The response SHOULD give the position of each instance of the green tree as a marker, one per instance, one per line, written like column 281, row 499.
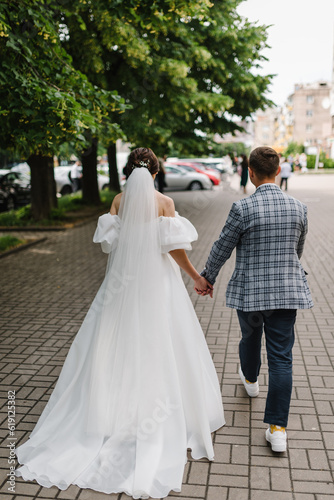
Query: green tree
column 185, row 68
column 111, row 34
column 233, row 149
column 294, row 148
column 44, row 100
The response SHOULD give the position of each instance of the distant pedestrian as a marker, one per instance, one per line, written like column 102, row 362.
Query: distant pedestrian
column 290, row 160
column 76, row 175
column 161, row 174
column 286, row 171
column 244, row 172
column 297, row 165
column 303, row 162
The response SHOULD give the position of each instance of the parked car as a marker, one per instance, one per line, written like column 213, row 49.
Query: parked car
column 23, row 168
column 214, row 175
column 64, row 185
column 178, row 178
column 223, row 165
column 14, row 190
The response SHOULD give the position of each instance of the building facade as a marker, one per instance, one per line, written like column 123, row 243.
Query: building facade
column 246, row 136
column 310, row 114
column 273, row 128
column 265, row 127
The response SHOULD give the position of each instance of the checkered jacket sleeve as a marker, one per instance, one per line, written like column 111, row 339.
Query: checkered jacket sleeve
column 303, row 234
column 223, row 247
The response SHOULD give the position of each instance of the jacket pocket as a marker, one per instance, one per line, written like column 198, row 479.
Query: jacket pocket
column 235, row 275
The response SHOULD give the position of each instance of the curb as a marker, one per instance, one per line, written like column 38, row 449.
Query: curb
column 4, row 229
column 22, row 247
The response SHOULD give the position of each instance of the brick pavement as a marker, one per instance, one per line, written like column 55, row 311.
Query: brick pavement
column 46, row 291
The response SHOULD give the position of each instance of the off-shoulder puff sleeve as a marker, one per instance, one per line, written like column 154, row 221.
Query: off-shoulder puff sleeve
column 175, row 233
column 107, row 232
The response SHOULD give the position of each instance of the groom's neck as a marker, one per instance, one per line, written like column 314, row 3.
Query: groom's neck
column 264, row 181
column 257, row 181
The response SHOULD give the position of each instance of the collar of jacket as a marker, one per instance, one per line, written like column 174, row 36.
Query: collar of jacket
column 268, row 185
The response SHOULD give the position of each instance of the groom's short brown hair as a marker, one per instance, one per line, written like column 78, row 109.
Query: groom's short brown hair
column 264, row 161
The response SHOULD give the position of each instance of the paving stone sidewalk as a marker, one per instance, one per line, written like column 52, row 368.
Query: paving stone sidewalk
column 46, row 291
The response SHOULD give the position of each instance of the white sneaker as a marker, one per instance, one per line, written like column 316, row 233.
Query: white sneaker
column 252, row 389
column 276, row 436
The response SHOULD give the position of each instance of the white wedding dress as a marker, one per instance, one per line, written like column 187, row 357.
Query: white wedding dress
column 138, row 386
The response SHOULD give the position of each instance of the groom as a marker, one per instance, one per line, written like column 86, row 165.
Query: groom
column 267, row 286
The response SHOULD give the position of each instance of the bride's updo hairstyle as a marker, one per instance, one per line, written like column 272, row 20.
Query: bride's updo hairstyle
column 142, row 158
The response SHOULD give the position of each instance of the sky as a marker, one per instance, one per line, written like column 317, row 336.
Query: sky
column 301, row 41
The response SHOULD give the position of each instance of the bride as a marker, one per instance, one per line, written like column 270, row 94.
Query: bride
column 138, row 386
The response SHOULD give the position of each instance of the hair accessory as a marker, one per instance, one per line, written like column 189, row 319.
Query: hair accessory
column 144, row 163
column 141, row 164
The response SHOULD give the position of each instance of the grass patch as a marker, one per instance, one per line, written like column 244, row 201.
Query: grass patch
column 72, row 202
column 70, row 208
column 19, row 217
column 8, row 242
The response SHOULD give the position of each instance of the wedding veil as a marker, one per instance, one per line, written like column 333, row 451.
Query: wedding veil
column 130, row 304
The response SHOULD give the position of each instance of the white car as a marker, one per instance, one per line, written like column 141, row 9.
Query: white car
column 64, row 185
column 23, row 168
column 177, row 178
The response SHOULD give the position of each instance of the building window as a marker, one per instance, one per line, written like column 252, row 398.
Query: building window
column 309, row 112
column 309, row 127
column 310, row 99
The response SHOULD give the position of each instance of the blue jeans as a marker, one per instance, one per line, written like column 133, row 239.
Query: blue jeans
column 279, row 331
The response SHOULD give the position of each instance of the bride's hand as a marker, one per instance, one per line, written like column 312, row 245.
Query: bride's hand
column 203, row 287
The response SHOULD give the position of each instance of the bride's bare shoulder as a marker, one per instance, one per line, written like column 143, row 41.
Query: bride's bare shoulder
column 166, row 205
column 115, row 204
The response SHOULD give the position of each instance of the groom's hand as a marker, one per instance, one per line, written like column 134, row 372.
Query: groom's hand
column 203, row 287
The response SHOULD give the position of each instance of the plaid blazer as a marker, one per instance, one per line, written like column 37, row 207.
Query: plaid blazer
column 268, row 230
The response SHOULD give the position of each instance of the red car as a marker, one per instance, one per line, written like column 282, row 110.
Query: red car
column 213, row 175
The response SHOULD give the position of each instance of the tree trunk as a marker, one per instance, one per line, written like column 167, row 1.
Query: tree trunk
column 114, row 184
column 43, row 186
column 90, row 188
column 3, row 160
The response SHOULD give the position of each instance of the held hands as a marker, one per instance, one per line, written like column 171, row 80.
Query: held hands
column 203, row 287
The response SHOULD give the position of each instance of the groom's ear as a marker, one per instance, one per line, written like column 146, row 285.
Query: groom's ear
column 278, row 170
